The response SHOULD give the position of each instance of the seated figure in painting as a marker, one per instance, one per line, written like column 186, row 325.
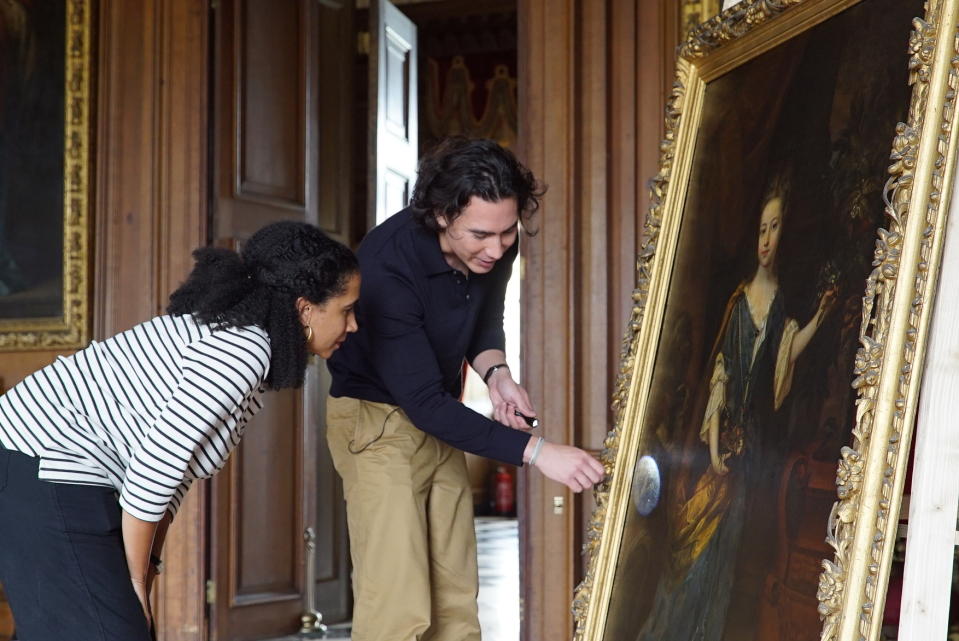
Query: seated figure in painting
column 750, row 375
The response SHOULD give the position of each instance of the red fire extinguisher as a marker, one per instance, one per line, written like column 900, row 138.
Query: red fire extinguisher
column 504, row 502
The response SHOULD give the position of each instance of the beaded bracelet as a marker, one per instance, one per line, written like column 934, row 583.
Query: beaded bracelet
column 156, row 563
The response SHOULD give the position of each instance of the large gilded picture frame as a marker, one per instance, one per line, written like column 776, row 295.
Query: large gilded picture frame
column 770, row 371
column 45, row 105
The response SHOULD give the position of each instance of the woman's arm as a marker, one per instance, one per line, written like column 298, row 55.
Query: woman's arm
column 709, row 432
column 138, row 537
column 803, row 336
column 713, row 425
column 157, row 550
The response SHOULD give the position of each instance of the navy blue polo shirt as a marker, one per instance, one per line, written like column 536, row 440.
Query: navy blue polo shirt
column 418, row 320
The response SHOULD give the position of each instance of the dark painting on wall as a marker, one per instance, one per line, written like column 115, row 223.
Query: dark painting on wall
column 739, row 411
column 44, row 119
column 31, row 158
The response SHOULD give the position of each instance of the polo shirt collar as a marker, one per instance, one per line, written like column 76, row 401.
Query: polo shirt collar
column 427, row 245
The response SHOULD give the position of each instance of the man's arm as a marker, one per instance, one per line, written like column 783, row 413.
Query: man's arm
column 405, row 362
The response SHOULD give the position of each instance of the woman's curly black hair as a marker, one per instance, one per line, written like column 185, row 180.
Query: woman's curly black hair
column 278, row 264
column 459, row 168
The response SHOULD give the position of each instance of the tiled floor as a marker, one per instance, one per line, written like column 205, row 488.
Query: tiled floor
column 497, row 541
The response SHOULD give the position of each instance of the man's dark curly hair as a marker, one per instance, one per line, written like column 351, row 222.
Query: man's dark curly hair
column 459, row 168
column 260, row 286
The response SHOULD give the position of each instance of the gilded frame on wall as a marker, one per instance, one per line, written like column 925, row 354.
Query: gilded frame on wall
column 871, row 222
column 48, row 307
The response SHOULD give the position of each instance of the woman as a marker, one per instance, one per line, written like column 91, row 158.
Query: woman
column 751, row 372
column 98, row 449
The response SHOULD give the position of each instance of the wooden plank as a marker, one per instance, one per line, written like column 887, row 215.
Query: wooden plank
column 934, row 497
column 547, row 50
column 591, row 119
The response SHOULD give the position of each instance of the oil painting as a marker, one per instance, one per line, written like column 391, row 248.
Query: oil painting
column 739, row 400
column 44, row 132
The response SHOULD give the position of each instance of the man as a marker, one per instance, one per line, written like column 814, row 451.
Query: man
column 434, row 277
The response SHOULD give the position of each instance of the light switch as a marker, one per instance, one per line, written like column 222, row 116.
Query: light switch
column 558, row 503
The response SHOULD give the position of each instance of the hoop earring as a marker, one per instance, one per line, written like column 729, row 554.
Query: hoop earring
column 309, row 334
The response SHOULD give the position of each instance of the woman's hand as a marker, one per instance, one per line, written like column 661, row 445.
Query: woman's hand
column 151, row 578
column 568, row 465
column 827, row 301
column 719, row 464
column 143, row 595
column 138, row 538
column 507, row 397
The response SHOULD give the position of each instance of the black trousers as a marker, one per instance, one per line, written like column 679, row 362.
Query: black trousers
column 61, row 559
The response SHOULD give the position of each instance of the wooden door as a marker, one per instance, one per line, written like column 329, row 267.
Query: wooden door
column 335, row 209
column 278, row 131
column 394, row 134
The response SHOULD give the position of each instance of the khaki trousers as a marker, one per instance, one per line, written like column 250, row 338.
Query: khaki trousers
column 410, row 515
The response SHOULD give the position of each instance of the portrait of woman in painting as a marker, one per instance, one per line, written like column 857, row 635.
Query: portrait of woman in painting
column 751, row 373
column 749, row 400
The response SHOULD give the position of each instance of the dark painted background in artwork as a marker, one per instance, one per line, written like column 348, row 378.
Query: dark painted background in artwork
column 31, row 158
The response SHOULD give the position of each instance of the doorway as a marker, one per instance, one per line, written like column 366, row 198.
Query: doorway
column 290, row 140
column 464, row 62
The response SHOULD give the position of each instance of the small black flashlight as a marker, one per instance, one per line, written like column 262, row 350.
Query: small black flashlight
column 532, row 421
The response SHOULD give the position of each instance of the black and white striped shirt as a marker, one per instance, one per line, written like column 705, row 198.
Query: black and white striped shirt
column 146, row 411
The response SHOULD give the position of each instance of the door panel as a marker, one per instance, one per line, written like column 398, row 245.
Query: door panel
column 259, row 582
column 394, row 134
column 398, row 87
column 266, row 113
column 396, row 191
column 265, row 482
column 271, row 105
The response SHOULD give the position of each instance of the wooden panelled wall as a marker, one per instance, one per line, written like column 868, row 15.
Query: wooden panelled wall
column 151, row 212
column 593, row 78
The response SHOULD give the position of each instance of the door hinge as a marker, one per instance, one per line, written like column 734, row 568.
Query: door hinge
column 210, row 591
column 363, row 43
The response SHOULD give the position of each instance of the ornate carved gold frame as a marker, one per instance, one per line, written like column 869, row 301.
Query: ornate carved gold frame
column 897, row 307
column 71, row 330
